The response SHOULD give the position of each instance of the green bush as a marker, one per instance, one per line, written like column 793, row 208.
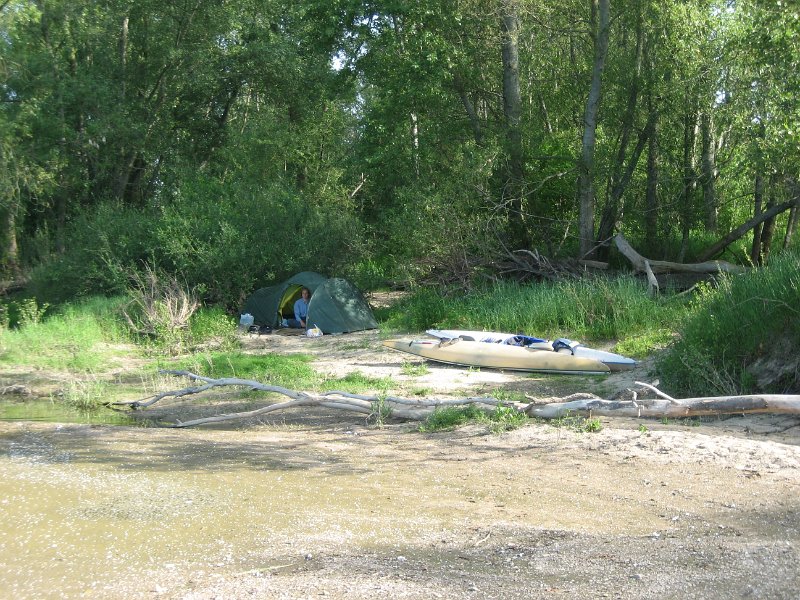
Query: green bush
column 212, row 324
column 223, row 239
column 746, row 319
column 103, row 246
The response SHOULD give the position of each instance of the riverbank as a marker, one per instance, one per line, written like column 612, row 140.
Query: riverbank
column 313, row 503
column 337, row 511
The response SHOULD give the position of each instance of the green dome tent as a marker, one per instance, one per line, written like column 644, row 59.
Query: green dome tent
column 336, row 305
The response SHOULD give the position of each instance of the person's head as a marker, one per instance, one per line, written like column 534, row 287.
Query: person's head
column 305, row 293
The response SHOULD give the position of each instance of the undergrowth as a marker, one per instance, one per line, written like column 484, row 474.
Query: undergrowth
column 81, row 337
column 747, row 319
column 592, row 309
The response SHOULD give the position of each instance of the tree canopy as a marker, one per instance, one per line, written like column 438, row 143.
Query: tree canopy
column 234, row 143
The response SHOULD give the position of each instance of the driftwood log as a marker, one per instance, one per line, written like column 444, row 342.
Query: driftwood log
column 659, row 408
column 419, row 409
column 642, row 264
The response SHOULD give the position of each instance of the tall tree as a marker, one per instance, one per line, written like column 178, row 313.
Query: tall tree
column 586, row 189
column 514, row 188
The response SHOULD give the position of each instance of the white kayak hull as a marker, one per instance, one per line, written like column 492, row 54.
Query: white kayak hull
column 498, row 356
column 615, row 362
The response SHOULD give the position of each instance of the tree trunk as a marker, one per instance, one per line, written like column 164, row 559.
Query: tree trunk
column 688, row 407
column 614, row 211
column 414, row 131
column 512, row 108
column 61, row 222
column 708, row 173
column 586, row 197
column 651, row 193
column 758, row 200
column 791, row 222
column 644, row 265
column 469, row 107
column 689, row 179
column 621, row 175
column 11, row 250
column 419, row 409
column 768, row 229
column 123, row 56
column 744, row 228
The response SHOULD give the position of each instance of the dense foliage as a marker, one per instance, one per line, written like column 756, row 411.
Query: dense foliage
column 233, row 143
column 230, row 144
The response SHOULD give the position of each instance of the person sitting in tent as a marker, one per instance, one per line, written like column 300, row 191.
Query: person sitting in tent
column 301, row 310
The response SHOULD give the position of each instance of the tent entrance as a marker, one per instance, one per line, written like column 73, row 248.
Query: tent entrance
column 290, row 296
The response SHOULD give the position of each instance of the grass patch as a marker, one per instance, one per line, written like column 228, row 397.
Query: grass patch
column 509, row 396
column 292, row 371
column 746, row 318
column 577, row 423
column 591, row 309
column 355, row 383
column 81, row 337
column 503, row 418
column 415, row 369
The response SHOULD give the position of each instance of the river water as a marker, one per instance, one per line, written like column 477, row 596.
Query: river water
column 50, row 411
column 89, row 510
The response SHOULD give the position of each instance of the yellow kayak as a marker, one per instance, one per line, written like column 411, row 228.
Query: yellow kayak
column 498, row 356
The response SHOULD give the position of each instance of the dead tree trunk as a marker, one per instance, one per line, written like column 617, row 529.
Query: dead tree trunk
column 688, row 407
column 744, row 228
column 642, row 264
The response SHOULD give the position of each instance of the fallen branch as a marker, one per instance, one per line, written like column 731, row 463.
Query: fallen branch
column 658, row 391
column 745, row 227
column 420, row 409
column 401, row 408
column 640, row 263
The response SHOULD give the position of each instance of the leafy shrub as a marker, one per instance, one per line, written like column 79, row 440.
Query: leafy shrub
column 746, row 319
column 29, row 312
column 222, row 238
column 103, row 245
column 213, row 325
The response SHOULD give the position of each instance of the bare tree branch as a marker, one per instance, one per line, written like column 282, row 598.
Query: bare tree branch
column 420, row 409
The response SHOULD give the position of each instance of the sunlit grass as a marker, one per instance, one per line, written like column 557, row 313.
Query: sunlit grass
column 501, row 419
column 84, row 336
column 293, row 371
column 745, row 318
column 586, row 310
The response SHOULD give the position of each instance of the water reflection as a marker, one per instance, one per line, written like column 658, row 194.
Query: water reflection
column 50, row 411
